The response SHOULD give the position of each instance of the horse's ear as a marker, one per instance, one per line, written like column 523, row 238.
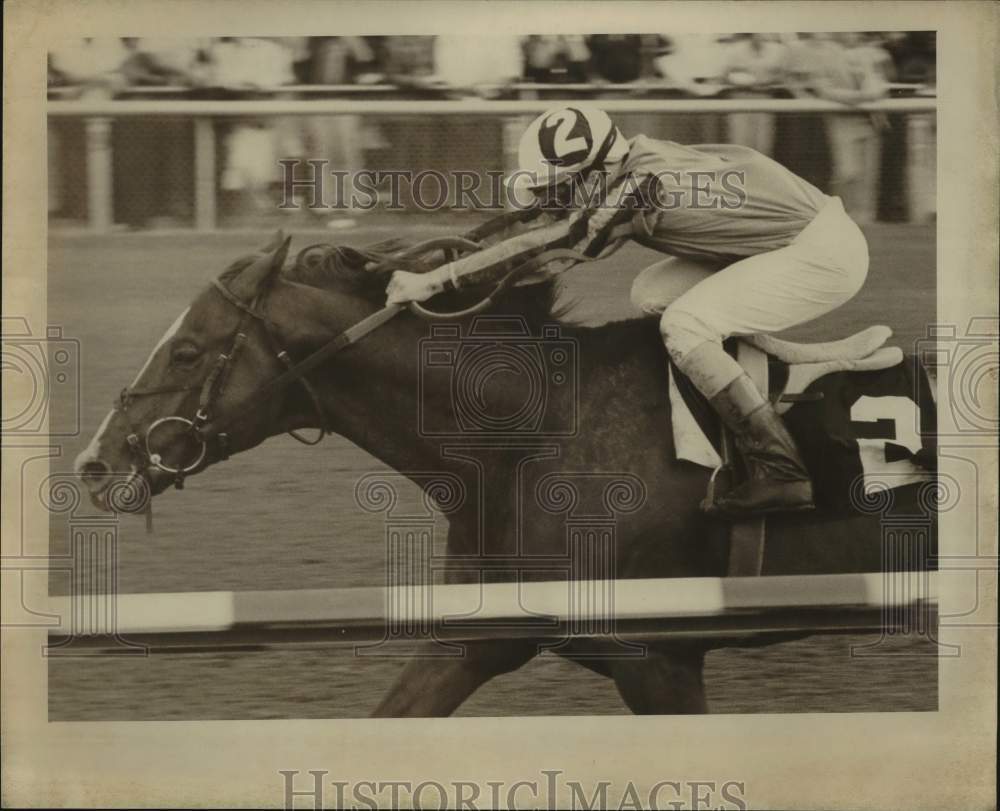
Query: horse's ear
column 280, row 252
column 275, row 242
column 255, row 275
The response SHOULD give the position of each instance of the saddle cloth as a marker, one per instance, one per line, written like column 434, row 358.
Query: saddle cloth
column 859, row 411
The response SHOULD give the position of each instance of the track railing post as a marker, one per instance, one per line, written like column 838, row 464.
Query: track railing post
column 100, row 178
column 204, row 174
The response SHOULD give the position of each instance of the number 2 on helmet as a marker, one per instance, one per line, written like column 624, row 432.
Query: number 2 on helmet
column 563, row 143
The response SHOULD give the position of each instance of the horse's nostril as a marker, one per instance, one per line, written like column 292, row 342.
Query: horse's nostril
column 94, row 471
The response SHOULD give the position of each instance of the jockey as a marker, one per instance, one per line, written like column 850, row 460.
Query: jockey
column 771, row 250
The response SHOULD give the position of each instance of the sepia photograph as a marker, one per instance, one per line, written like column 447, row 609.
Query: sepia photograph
column 533, row 375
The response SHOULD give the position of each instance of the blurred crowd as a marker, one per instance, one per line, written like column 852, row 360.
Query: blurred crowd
column 699, row 65
column 862, row 157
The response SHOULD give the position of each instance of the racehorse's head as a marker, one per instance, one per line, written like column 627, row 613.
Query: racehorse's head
column 212, row 358
column 222, row 379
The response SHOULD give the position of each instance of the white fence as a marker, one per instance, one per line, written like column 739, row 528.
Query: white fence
column 522, row 89
column 99, row 115
column 701, row 608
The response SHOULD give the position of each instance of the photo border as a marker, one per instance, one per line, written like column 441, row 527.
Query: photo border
column 933, row 760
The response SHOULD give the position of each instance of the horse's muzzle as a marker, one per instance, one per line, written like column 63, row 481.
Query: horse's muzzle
column 96, row 474
column 117, row 492
column 131, row 494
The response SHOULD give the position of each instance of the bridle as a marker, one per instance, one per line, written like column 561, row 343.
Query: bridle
column 198, row 428
column 142, row 448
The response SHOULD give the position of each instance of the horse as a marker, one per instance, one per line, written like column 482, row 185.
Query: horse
column 204, row 394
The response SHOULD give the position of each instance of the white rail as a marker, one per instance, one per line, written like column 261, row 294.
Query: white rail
column 546, row 611
column 283, row 107
column 98, row 116
column 385, row 89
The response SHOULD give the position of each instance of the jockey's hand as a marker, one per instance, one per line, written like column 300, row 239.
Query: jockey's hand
column 405, row 287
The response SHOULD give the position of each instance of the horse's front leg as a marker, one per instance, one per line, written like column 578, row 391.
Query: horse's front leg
column 663, row 682
column 435, row 686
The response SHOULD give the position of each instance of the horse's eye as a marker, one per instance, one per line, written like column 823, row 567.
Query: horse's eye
column 185, row 354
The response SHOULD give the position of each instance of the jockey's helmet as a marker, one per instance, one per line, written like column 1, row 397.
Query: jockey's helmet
column 566, row 143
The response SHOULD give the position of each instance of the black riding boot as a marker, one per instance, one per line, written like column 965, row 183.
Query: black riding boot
column 777, row 480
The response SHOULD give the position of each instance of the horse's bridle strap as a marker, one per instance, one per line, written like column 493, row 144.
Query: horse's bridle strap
column 297, row 372
column 249, row 309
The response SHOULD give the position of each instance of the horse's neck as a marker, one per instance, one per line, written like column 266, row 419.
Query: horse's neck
column 378, row 394
column 369, row 394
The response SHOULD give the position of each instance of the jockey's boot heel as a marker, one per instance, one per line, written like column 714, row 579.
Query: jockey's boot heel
column 777, row 480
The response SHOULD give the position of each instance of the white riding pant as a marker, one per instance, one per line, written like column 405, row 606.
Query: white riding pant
column 823, row 267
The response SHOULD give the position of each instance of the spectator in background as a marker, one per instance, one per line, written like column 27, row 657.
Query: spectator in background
column 157, row 61
column 408, row 63
column 695, row 64
column 244, row 67
column 154, row 157
column 754, row 65
column 300, row 51
column 340, row 60
column 477, row 65
column 473, row 66
column 849, row 69
column 800, row 139
column 92, row 68
column 908, row 146
column 653, row 47
column 339, row 139
column 407, row 142
column 913, row 55
column 555, row 59
column 94, row 64
column 250, row 63
column 615, row 58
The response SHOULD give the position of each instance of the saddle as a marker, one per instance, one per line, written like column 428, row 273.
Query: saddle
column 844, row 403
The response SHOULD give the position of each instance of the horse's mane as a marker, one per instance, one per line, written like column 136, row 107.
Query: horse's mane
column 328, row 266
